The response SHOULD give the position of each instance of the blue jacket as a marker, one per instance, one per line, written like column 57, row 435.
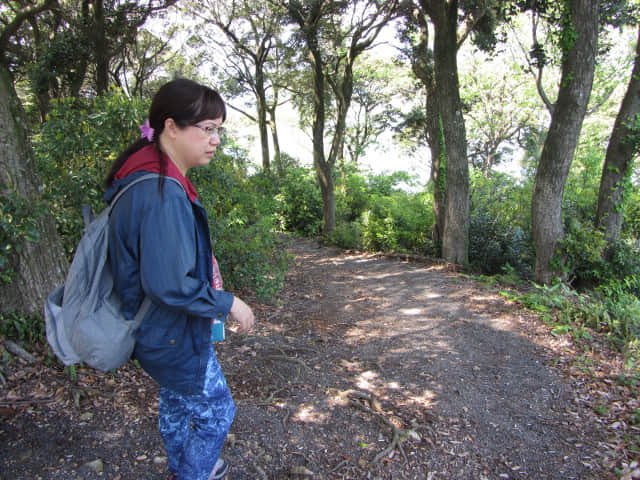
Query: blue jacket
column 159, row 245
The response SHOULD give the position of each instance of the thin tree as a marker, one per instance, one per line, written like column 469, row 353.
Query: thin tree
column 334, row 35
column 624, row 146
column 252, row 29
column 436, row 66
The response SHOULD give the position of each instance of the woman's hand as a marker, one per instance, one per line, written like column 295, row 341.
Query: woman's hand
column 241, row 313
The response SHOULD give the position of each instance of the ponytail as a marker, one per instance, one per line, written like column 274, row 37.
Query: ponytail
column 124, row 156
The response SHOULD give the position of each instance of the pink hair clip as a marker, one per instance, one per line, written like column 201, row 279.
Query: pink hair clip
column 147, row 131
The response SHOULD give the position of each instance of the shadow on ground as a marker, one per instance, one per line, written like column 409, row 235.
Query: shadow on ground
column 370, row 369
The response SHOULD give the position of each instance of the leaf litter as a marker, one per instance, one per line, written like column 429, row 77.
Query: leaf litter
column 364, row 368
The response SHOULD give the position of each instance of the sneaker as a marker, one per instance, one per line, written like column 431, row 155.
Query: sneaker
column 220, row 469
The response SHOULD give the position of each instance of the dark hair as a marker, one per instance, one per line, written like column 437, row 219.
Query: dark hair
column 187, row 103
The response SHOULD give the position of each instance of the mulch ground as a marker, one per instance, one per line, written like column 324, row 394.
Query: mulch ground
column 364, row 368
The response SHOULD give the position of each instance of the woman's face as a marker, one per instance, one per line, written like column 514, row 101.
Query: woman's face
column 195, row 145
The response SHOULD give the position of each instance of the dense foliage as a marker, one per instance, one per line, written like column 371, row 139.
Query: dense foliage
column 17, row 225
column 74, row 151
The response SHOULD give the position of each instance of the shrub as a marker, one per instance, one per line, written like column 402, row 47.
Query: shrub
column 620, row 310
column 631, row 222
column 347, row 235
column 374, row 213
column 499, row 224
column 399, row 222
column 29, row 329
column 246, row 246
column 612, row 309
column 299, row 203
column 585, row 264
column 74, row 151
column 495, row 246
column 17, row 225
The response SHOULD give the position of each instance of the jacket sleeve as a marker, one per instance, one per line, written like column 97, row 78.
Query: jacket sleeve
column 168, row 259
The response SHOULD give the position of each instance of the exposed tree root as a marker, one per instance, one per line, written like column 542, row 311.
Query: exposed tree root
column 18, row 351
column 398, row 435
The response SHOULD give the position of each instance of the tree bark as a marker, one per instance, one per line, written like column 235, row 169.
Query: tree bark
column 42, row 265
column 456, row 209
column 324, row 170
column 262, row 116
column 423, row 68
column 101, row 48
column 581, row 30
column 438, row 166
column 618, row 161
column 274, row 137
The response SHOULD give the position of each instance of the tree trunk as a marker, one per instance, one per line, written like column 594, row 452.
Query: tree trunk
column 327, row 188
column 343, row 90
column 618, row 162
column 578, row 64
column 324, row 170
column 276, row 141
column 456, row 209
column 262, row 118
column 101, row 48
column 438, row 168
column 42, row 265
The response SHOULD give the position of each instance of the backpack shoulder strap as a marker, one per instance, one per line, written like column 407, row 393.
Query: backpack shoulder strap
column 146, row 303
column 138, row 180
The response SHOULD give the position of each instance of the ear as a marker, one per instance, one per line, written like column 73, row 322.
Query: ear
column 170, row 127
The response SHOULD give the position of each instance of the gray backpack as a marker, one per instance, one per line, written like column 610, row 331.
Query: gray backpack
column 83, row 319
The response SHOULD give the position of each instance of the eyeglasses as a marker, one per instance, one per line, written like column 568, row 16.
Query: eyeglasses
column 210, row 130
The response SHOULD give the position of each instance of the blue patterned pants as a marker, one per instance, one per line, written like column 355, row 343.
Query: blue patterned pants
column 194, row 427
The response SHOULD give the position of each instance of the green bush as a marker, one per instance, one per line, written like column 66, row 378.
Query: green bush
column 17, row 225
column 499, row 224
column 584, row 262
column 347, row 235
column 495, row 246
column 374, row 213
column 299, row 203
column 28, row 330
column 612, row 309
column 353, row 194
column 74, row 151
column 400, row 222
column 631, row 221
column 252, row 257
column 581, row 251
column 243, row 229
column 620, row 309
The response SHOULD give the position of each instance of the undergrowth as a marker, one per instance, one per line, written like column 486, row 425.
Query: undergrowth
column 612, row 309
column 22, row 328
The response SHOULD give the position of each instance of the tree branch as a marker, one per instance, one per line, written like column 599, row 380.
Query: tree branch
column 239, row 110
column 471, row 20
column 22, row 17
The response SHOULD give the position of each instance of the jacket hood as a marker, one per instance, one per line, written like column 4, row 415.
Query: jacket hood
column 147, row 159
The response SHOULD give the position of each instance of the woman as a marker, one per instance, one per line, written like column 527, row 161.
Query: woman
column 159, row 247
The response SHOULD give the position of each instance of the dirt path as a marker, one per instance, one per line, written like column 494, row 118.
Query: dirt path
column 370, row 369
